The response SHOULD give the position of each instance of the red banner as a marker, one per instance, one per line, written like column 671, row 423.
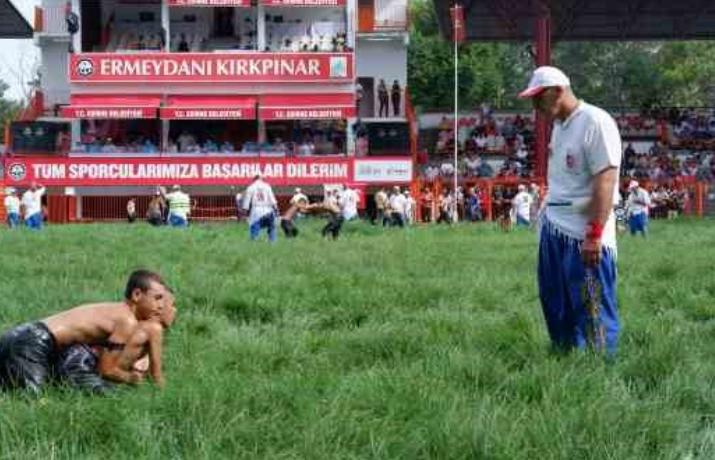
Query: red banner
column 107, row 113
column 307, row 113
column 167, row 171
column 239, row 3
column 211, row 67
column 208, row 114
column 303, row 2
column 67, row 172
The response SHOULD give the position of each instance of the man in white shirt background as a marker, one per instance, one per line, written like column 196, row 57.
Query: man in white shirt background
column 398, row 203
column 522, row 206
column 261, row 205
column 638, row 206
column 348, row 200
column 32, row 202
column 578, row 233
column 410, row 207
column 12, row 208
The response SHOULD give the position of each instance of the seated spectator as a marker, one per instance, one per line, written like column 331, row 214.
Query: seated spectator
column 227, row 147
column 210, row 146
column 522, row 154
column 109, row 146
column 485, row 170
column 183, row 45
column 148, row 146
column 186, row 142
column 447, row 169
column 472, row 163
column 172, row 148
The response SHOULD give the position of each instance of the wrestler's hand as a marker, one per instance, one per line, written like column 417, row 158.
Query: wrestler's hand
column 135, row 377
column 591, row 252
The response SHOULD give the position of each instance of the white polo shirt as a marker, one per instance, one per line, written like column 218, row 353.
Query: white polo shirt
column 398, row 203
column 581, row 146
column 12, row 204
column 259, row 201
column 522, row 205
column 636, row 197
column 33, row 201
column 348, row 201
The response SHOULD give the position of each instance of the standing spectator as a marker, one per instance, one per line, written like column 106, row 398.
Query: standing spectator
column 535, row 193
column 380, row 204
column 577, row 246
column 183, row 44
column 348, row 202
column 427, row 205
column 474, row 205
column 154, row 213
column 179, row 206
column 131, row 210
column 261, row 204
column 238, row 199
column 383, row 96
column 12, row 208
column 359, row 93
column 522, row 206
column 396, row 94
column 638, row 205
column 32, row 202
column 445, row 205
column 410, row 207
column 398, row 205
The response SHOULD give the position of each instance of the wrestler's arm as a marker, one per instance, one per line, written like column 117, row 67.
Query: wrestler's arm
column 117, row 365
column 155, row 335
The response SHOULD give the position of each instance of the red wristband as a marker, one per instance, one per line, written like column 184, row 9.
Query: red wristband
column 594, row 230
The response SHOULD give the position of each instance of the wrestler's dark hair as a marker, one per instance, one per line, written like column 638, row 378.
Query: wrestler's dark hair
column 141, row 279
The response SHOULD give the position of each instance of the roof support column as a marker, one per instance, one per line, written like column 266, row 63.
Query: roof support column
column 543, row 57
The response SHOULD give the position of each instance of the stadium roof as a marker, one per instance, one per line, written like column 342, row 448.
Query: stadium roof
column 587, row 20
column 12, row 23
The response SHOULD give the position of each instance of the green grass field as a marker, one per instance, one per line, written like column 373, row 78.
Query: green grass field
column 419, row 344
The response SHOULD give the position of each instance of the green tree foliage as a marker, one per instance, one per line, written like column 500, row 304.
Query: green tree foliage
column 611, row 74
column 9, row 110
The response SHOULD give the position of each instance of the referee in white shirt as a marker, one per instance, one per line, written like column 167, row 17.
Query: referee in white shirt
column 578, row 229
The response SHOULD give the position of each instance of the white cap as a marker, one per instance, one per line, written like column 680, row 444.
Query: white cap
column 633, row 184
column 176, row 187
column 542, row 78
column 10, row 190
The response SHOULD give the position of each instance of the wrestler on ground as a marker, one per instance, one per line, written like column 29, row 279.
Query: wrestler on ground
column 29, row 351
column 81, row 366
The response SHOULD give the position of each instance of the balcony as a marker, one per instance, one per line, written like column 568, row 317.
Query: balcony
column 51, row 22
column 379, row 16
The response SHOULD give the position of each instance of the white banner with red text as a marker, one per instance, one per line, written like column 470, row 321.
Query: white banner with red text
column 148, row 68
column 69, row 172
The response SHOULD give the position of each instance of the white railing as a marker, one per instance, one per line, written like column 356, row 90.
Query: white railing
column 391, row 15
column 54, row 20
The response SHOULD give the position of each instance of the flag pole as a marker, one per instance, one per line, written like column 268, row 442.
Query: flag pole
column 456, row 32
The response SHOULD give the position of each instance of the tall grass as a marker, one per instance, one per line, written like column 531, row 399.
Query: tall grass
column 426, row 343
